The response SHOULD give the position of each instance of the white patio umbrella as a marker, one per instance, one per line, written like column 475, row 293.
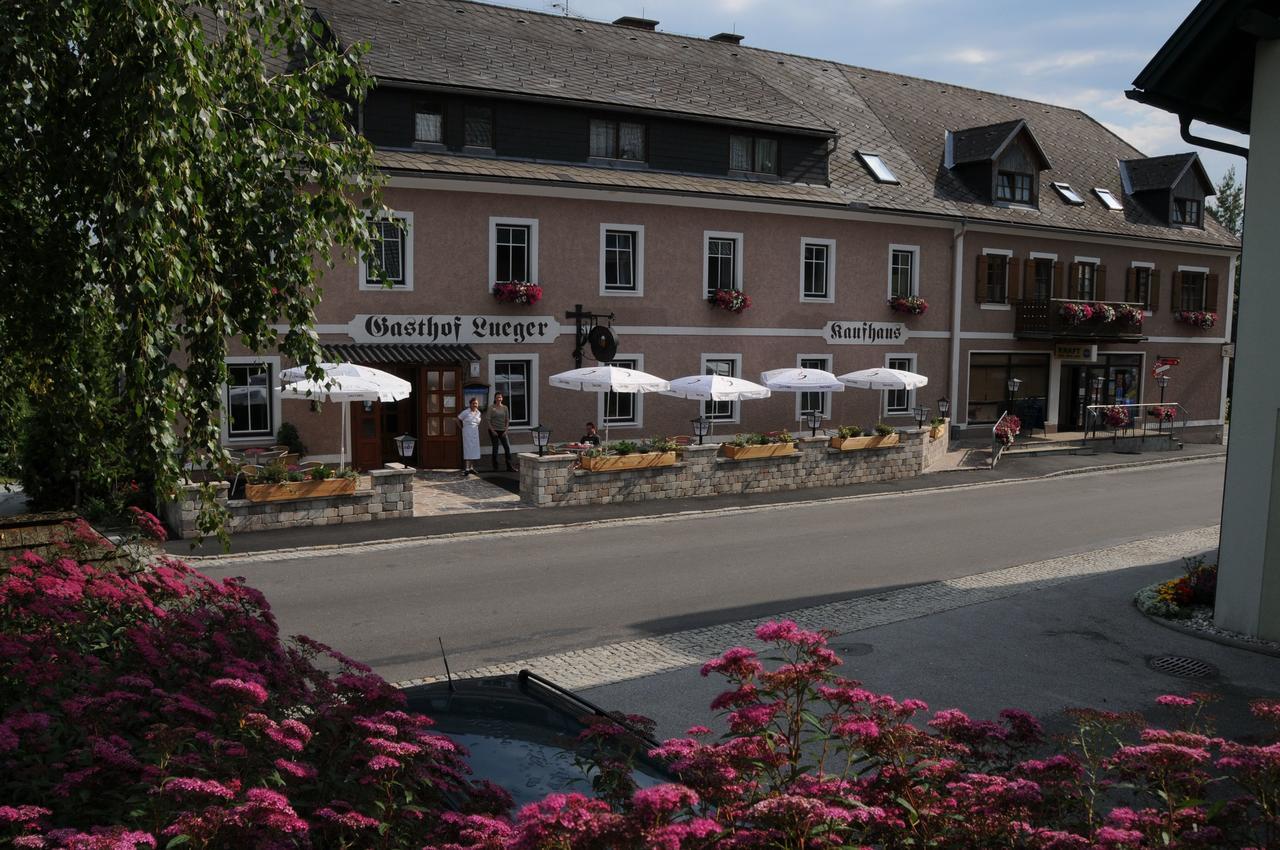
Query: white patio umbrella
column 345, row 383
column 716, row 388
column 801, row 381
column 603, row 379
column 883, row 379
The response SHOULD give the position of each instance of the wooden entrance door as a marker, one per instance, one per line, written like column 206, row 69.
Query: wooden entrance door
column 366, row 436
column 440, row 445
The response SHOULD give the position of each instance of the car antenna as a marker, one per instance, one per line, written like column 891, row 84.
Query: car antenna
column 448, row 676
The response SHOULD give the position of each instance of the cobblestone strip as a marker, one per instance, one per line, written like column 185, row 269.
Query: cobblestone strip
column 340, row 549
column 617, row 662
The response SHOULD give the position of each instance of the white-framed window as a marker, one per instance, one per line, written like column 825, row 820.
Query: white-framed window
column 1190, row 293
column 1109, row 200
column 817, row 269
column 251, row 405
column 1071, row 196
column 513, row 250
column 904, row 271
column 996, row 291
column 392, row 257
column 729, row 365
column 899, row 402
column 1084, row 284
column 875, row 163
column 617, row 139
column 516, row 377
column 1141, row 285
column 1039, row 285
column 722, row 266
column 813, row 400
column 621, row 410
column 622, row 259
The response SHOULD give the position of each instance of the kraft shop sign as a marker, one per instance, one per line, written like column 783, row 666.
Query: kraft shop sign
column 445, row 328
column 864, row 333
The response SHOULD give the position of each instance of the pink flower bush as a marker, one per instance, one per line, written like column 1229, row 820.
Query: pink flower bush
column 517, row 292
column 733, row 300
column 1075, row 314
column 913, row 305
column 1007, row 429
column 1202, row 319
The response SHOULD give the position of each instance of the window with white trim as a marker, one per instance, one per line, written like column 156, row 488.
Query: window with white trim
column 817, row 269
column 900, row 402
column 621, row 259
column 1141, row 292
column 723, row 266
column 621, row 408
column 390, row 264
column 1086, row 280
column 515, row 378
column 1109, row 200
column 818, row 401
column 727, row 365
column 1191, row 293
column 875, row 163
column 513, row 250
column 249, row 400
column 903, row 271
column 997, row 278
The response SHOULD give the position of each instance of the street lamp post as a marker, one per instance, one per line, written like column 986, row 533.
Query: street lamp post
column 921, row 414
column 1097, row 381
column 944, row 407
column 1163, row 382
column 1014, row 384
column 813, row 418
column 701, row 428
column 405, row 446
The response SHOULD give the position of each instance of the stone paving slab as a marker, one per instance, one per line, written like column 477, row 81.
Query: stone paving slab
column 441, row 493
column 617, row 662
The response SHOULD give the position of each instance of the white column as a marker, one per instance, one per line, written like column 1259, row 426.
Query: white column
column 1249, row 576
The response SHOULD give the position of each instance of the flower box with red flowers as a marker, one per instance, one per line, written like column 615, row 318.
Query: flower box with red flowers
column 1130, row 316
column 913, row 305
column 517, row 292
column 1202, row 319
column 1075, row 314
column 733, row 300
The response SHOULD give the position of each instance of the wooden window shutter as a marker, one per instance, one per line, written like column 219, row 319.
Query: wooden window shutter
column 1029, row 278
column 1058, row 289
column 1153, row 290
column 1100, row 283
column 1211, row 292
column 1015, row 281
column 980, row 280
column 1130, row 281
column 1073, row 280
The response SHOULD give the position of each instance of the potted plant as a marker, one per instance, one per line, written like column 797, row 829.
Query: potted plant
column 1202, row 319
column 1117, row 417
column 1130, row 316
column 936, row 427
column 517, row 292
column 1103, row 313
column 912, row 305
column 772, row 444
column 626, row 454
column 1075, row 314
column 1007, row 429
column 733, row 300
column 277, row 483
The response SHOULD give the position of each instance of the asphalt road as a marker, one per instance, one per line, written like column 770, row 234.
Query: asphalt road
column 517, row 595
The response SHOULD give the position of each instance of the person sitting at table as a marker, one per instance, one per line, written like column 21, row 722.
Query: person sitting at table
column 591, row 436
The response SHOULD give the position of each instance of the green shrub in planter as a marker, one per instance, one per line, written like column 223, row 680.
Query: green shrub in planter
column 846, row 432
column 625, row 447
column 883, row 430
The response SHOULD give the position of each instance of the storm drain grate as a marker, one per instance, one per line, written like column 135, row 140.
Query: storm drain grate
column 1182, row 667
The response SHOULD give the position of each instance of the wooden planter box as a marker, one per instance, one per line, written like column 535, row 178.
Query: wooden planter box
column 937, row 431
column 749, row 452
column 851, row 444
column 642, row 460
column 300, row 490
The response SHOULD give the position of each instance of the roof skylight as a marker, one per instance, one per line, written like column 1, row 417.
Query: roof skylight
column 1109, row 200
column 875, row 164
column 1068, row 194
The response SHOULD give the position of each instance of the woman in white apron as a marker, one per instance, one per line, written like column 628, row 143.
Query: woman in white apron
column 470, row 419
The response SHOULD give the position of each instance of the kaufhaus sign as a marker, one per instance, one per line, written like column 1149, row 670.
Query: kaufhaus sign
column 445, row 328
column 864, row 333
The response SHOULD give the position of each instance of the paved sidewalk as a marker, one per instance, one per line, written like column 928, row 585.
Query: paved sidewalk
column 477, row 521
column 446, row 492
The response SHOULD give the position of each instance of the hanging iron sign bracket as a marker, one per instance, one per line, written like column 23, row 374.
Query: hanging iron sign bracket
column 584, row 323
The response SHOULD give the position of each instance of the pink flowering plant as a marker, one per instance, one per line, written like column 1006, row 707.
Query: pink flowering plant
column 1103, row 314
column 1164, row 413
column 1202, row 319
column 1007, row 429
column 517, row 292
column 1117, row 416
column 733, row 300
column 911, row 304
column 1130, row 316
column 1075, row 314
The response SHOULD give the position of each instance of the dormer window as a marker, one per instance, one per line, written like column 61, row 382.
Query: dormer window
column 1014, row 187
column 617, row 140
column 478, row 121
column 753, row 154
column 428, row 125
column 1186, row 211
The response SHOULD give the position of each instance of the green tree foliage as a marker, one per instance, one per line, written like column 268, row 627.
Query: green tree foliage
column 172, row 178
column 1228, row 208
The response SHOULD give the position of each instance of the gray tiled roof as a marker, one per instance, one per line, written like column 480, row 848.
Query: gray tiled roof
column 1157, row 172
column 975, row 144
column 904, row 119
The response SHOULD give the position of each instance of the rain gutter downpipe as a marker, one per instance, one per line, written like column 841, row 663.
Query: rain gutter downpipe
column 957, row 301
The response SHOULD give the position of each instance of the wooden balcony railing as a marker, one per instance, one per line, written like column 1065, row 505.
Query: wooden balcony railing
column 1044, row 320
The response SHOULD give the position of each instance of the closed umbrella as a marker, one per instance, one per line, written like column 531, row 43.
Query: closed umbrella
column 603, row 379
column 345, row 383
column 883, row 379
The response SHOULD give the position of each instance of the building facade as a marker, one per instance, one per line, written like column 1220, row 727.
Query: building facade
column 872, row 219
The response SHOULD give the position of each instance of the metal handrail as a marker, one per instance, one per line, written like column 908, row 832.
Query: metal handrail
column 997, row 445
column 1138, row 415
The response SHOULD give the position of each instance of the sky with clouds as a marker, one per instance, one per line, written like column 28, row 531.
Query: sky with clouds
column 1082, row 54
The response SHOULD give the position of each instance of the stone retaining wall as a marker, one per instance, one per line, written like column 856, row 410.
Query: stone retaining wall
column 935, row 448
column 389, row 496
column 552, row 480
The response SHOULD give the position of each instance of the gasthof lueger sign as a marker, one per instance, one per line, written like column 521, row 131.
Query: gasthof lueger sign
column 864, row 333
column 444, row 328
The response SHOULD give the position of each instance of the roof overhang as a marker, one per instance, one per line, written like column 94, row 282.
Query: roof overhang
column 1204, row 72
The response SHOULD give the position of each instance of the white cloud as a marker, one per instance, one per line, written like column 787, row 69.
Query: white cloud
column 970, row 56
